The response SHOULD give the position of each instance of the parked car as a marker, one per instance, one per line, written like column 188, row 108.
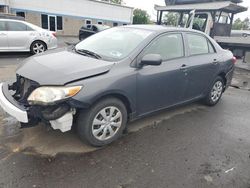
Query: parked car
column 17, row 35
column 116, row 76
column 11, row 16
column 240, row 33
column 89, row 30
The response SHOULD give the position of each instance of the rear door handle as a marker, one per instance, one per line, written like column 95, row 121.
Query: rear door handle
column 3, row 34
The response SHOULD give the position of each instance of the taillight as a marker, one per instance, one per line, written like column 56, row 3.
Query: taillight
column 54, row 34
column 234, row 59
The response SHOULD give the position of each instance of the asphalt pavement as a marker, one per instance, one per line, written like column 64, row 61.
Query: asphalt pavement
column 203, row 147
column 192, row 146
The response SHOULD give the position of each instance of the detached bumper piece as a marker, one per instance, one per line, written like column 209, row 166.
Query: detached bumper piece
column 59, row 116
column 9, row 105
column 64, row 123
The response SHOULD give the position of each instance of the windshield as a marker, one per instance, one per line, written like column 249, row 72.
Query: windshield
column 115, row 43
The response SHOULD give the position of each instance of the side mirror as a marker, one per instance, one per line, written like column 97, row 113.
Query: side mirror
column 151, row 59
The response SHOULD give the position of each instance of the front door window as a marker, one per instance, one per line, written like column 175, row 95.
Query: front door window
column 169, row 46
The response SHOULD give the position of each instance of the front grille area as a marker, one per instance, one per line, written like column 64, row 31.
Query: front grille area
column 23, row 87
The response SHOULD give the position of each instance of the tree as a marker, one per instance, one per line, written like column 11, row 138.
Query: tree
column 114, row 1
column 117, row 1
column 171, row 19
column 141, row 17
column 241, row 25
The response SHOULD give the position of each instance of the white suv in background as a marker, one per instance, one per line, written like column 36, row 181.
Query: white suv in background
column 16, row 35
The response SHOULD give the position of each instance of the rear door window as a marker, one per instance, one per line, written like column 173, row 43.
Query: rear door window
column 2, row 26
column 211, row 47
column 197, row 44
column 18, row 26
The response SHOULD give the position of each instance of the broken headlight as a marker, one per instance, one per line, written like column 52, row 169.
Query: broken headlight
column 49, row 95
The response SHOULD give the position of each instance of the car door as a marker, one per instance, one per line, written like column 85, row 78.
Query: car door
column 3, row 36
column 19, row 35
column 202, row 64
column 161, row 86
column 200, row 21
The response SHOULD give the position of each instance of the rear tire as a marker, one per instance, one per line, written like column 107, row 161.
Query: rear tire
column 103, row 123
column 38, row 47
column 215, row 92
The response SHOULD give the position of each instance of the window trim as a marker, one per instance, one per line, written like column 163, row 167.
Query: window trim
column 54, row 16
column 199, row 34
column 142, row 53
column 48, row 22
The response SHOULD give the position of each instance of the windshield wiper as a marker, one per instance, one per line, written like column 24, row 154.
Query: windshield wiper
column 89, row 53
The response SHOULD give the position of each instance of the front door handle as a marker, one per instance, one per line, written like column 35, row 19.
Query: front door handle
column 3, row 34
column 215, row 61
column 184, row 67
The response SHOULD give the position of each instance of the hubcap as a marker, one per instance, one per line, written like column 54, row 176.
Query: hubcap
column 107, row 123
column 216, row 91
column 38, row 48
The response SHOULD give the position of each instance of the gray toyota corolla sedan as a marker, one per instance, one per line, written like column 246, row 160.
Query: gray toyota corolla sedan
column 116, row 76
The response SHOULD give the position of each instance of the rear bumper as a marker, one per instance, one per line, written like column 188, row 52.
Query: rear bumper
column 52, row 43
column 9, row 106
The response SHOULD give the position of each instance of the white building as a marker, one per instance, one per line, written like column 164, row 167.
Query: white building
column 67, row 16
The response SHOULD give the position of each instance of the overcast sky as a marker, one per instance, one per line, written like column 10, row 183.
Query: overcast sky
column 148, row 5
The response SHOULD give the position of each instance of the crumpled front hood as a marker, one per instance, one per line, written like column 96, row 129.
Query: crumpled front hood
column 61, row 66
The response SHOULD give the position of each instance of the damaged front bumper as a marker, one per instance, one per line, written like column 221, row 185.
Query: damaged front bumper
column 59, row 116
column 10, row 106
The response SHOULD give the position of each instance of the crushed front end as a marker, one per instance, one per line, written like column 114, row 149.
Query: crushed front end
column 14, row 99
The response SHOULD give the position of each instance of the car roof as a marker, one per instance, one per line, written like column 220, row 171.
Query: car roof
column 161, row 28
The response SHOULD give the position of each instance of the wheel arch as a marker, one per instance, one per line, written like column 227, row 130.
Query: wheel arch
column 118, row 95
column 38, row 40
column 223, row 76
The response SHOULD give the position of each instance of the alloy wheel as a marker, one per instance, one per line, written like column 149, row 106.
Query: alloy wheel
column 38, row 48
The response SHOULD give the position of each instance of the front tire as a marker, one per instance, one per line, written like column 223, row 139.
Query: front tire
column 37, row 47
column 215, row 92
column 103, row 123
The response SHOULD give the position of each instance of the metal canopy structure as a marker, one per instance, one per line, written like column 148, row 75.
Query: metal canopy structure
column 225, row 6
column 181, row 2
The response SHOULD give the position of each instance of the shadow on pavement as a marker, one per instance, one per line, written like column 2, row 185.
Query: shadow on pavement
column 43, row 141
